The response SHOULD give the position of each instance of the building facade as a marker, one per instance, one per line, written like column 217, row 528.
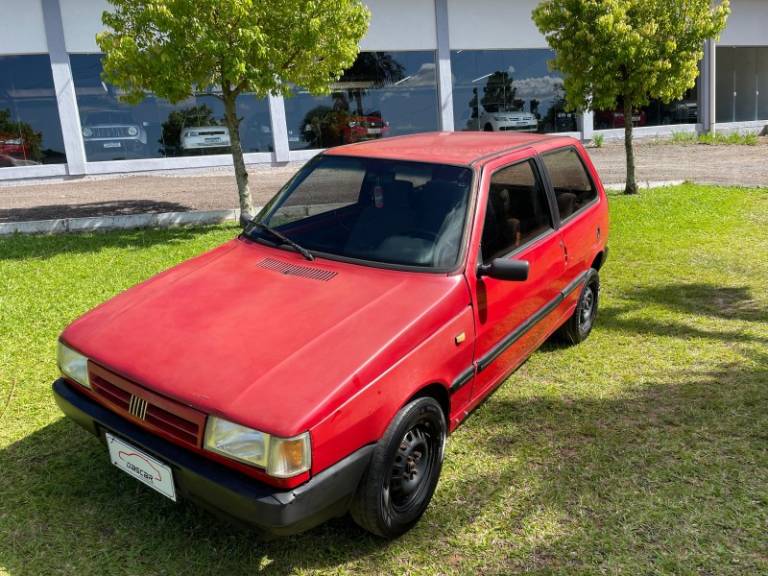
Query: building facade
column 424, row 65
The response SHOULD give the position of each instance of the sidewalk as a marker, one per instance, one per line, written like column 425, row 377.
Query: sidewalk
column 216, row 190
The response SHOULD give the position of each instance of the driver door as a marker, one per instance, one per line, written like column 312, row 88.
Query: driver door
column 511, row 317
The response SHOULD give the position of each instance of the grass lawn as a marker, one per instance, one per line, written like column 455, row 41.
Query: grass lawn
column 642, row 451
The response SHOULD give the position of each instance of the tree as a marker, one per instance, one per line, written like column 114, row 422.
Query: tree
column 499, row 93
column 628, row 52
column 378, row 68
column 176, row 48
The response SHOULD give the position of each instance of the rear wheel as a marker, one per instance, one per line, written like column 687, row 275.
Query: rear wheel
column 579, row 325
column 404, row 470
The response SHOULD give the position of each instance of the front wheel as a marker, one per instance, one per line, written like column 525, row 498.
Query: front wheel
column 579, row 325
column 404, row 470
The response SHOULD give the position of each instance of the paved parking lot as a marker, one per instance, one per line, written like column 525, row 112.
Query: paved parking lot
column 215, row 189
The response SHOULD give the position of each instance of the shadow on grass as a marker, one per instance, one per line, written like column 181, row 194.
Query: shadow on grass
column 692, row 300
column 20, row 247
column 632, row 480
column 87, row 209
column 732, row 303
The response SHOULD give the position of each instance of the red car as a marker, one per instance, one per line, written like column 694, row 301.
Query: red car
column 359, row 128
column 14, row 146
column 316, row 364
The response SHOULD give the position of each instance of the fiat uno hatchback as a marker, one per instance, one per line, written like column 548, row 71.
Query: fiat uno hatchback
column 315, row 364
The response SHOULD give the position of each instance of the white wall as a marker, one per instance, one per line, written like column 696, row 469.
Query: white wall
column 747, row 24
column 401, row 25
column 395, row 24
column 82, row 21
column 493, row 24
column 21, row 27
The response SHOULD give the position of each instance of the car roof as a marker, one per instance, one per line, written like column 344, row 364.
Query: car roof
column 460, row 148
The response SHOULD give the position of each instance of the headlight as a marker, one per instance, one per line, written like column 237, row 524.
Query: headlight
column 73, row 365
column 133, row 131
column 280, row 457
column 352, row 124
column 499, row 118
column 190, row 134
column 87, row 132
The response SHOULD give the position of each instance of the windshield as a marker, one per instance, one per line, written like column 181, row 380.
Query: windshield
column 387, row 211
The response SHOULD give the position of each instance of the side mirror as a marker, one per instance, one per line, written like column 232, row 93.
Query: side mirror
column 504, row 269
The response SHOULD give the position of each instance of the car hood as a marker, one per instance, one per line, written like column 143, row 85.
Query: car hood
column 263, row 337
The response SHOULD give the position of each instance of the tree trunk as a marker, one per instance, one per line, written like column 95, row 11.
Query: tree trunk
column 631, row 186
column 247, row 210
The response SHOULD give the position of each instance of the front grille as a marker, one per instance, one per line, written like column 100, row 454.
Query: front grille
column 110, row 131
column 148, row 409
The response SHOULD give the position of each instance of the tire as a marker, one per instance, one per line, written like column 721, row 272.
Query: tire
column 488, row 128
column 404, row 470
column 578, row 327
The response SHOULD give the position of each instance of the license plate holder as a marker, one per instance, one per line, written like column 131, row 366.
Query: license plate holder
column 141, row 466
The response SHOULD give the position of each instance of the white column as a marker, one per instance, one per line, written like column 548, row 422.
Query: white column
column 279, row 128
column 585, row 122
column 707, row 87
column 64, row 88
column 444, row 84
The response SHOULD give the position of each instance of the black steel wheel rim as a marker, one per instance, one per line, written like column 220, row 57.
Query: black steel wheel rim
column 587, row 308
column 413, row 467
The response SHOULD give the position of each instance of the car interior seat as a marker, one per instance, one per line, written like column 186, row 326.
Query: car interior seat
column 566, row 204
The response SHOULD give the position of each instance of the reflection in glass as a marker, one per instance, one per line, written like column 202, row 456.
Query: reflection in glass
column 742, row 83
column 30, row 131
column 508, row 90
column 382, row 94
column 154, row 128
column 656, row 113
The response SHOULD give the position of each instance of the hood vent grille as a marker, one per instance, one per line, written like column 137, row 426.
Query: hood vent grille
column 296, row 270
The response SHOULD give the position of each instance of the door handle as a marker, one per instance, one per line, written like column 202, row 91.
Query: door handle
column 565, row 250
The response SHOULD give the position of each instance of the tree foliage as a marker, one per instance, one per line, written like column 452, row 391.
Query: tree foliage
column 628, row 51
column 499, row 93
column 175, row 48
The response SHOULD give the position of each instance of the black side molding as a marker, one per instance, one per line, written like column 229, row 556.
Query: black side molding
column 484, row 361
column 462, row 379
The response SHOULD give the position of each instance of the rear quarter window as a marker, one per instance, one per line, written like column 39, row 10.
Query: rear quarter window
column 573, row 187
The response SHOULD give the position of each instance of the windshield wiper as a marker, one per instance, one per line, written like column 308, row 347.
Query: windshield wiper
column 280, row 236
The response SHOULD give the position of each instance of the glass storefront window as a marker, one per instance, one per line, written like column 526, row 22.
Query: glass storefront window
column 382, row 94
column 508, row 90
column 30, row 131
column 742, row 83
column 657, row 113
column 154, row 128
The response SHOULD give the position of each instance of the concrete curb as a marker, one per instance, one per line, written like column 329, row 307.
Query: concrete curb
column 122, row 222
column 647, row 185
column 170, row 219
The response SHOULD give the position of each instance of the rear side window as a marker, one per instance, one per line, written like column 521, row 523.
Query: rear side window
column 573, row 187
column 517, row 210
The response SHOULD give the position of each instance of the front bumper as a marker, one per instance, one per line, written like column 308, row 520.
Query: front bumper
column 226, row 491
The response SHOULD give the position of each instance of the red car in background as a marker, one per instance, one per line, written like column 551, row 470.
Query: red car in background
column 14, row 145
column 359, row 128
column 606, row 119
column 316, row 363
